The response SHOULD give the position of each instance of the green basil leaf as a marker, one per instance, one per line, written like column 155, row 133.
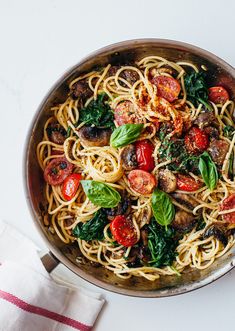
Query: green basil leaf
column 208, row 171
column 163, row 208
column 101, row 194
column 125, row 134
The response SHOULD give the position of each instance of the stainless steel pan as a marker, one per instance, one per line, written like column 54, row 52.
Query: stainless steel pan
column 219, row 71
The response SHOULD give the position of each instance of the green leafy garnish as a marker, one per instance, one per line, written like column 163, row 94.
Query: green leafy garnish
column 196, row 88
column 175, row 149
column 208, row 171
column 163, row 208
column 98, row 113
column 125, row 134
column 162, row 245
column 228, row 131
column 101, row 194
column 92, row 229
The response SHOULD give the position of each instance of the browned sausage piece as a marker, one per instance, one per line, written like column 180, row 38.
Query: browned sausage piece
column 167, row 181
column 128, row 157
column 92, row 136
column 218, row 150
column 81, row 90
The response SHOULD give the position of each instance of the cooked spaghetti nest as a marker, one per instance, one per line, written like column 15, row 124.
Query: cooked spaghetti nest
column 104, row 164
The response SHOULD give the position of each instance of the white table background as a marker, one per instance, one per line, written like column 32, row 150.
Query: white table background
column 39, row 40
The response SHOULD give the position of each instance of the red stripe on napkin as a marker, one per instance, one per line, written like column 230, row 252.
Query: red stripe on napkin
column 43, row 312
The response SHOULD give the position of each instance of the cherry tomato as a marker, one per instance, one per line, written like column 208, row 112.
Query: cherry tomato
column 228, row 203
column 167, row 87
column 196, row 140
column 70, row 186
column 57, row 170
column 125, row 113
column 187, row 183
column 144, row 155
column 123, row 231
column 218, row 94
column 142, row 182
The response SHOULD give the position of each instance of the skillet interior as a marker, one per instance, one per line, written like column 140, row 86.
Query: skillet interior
column 219, row 73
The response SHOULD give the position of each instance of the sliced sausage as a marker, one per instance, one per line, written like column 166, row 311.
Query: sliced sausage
column 128, row 157
column 92, row 136
column 167, row 181
column 218, row 150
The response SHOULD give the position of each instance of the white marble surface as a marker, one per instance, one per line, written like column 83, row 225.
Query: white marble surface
column 39, row 41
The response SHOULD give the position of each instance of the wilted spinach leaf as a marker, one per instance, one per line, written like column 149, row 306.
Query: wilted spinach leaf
column 98, row 113
column 162, row 245
column 92, row 229
column 196, row 88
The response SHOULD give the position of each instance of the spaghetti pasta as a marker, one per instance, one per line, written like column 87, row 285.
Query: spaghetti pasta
column 135, row 96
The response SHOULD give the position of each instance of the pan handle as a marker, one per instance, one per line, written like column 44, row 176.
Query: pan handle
column 49, row 261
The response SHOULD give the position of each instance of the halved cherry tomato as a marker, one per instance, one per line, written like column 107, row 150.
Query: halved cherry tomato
column 167, row 87
column 57, row 170
column 228, row 203
column 187, row 183
column 142, row 182
column 125, row 113
column 218, row 94
column 123, row 231
column 144, row 155
column 70, row 186
column 196, row 140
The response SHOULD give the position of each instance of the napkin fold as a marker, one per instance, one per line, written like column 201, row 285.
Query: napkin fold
column 30, row 300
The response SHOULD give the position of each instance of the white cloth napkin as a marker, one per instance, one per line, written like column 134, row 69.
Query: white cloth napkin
column 30, row 300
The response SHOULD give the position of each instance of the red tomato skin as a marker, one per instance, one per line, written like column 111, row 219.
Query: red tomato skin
column 218, row 94
column 70, row 186
column 228, row 203
column 167, row 87
column 123, row 231
column 57, row 170
column 196, row 140
column 142, row 182
column 187, row 183
column 144, row 151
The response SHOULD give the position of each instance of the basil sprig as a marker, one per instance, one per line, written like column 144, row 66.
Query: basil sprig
column 163, row 208
column 208, row 171
column 125, row 134
column 101, row 194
